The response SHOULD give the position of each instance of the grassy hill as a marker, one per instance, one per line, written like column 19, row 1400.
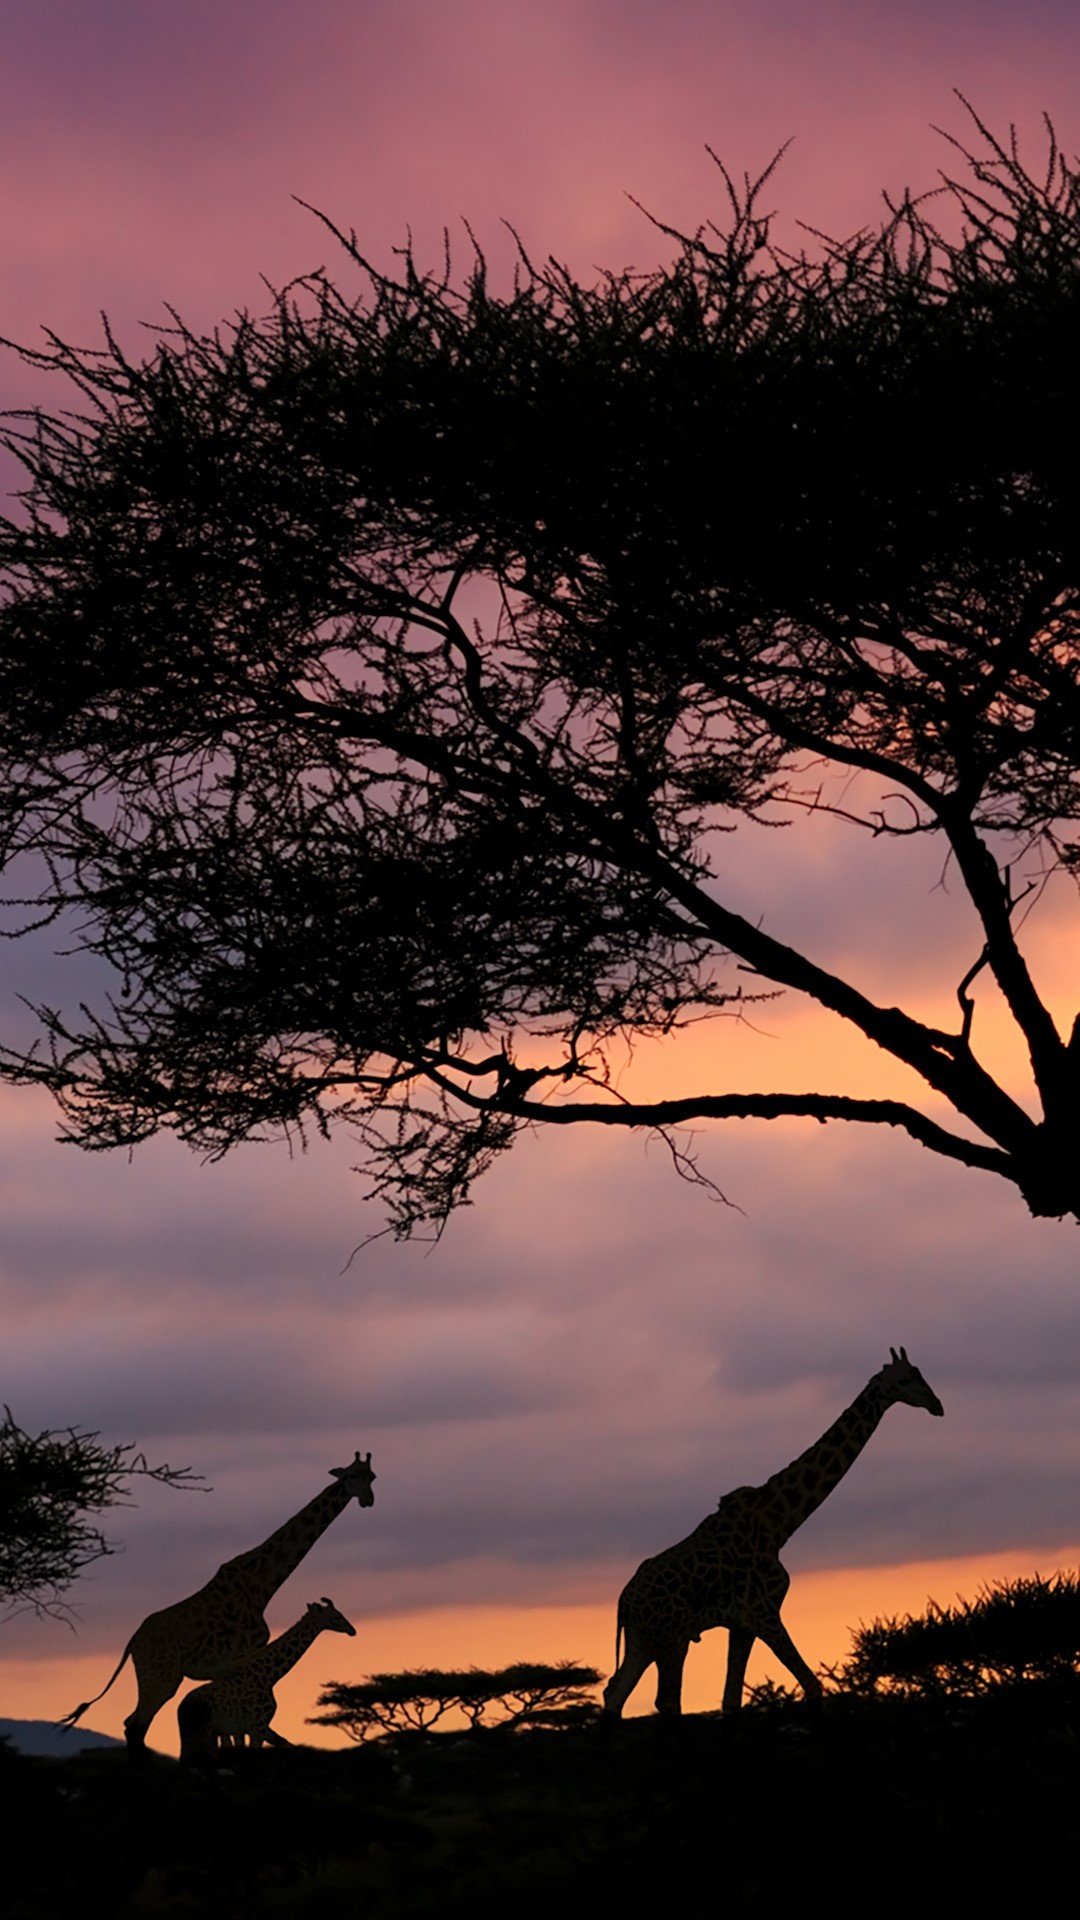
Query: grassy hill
column 888, row 1798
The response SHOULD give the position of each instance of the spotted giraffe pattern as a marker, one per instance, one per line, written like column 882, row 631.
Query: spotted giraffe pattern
column 202, row 1636
column 728, row 1573
column 240, row 1703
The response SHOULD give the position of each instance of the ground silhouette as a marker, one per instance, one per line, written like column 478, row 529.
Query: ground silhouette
column 972, row 1800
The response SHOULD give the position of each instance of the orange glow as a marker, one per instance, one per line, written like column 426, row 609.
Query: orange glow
column 821, row 1612
column 792, row 1045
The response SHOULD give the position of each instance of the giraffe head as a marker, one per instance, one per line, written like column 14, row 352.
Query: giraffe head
column 327, row 1617
column 905, row 1383
column 357, row 1479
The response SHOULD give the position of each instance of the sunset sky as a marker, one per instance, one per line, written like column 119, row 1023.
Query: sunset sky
column 594, row 1352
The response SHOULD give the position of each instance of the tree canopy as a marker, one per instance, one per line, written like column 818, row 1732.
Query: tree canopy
column 51, row 1483
column 527, row 1694
column 376, row 676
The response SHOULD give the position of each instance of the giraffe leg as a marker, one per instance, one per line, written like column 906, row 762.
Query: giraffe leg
column 636, row 1657
column 194, row 1716
column 158, row 1682
column 669, row 1672
column 740, row 1641
column 779, row 1641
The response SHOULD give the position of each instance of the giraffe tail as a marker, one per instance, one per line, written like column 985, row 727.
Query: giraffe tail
column 69, row 1719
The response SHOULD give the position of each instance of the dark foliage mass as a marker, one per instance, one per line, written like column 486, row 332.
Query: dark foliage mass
column 52, row 1486
column 528, row 1693
column 378, row 678
column 1016, row 1630
column 972, row 1802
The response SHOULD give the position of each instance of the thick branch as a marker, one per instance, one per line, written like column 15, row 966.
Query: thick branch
column 943, row 1060
column 1050, row 1064
column 662, row 1114
column 940, row 1058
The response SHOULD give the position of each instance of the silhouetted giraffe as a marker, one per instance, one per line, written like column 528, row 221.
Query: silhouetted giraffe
column 241, row 1702
column 727, row 1573
column 200, row 1637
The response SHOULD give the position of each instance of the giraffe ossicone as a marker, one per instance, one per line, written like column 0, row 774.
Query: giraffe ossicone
column 727, row 1573
column 202, row 1636
column 239, row 1705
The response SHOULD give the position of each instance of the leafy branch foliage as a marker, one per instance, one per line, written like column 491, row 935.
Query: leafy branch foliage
column 525, row 1694
column 1016, row 1630
column 51, row 1483
column 379, row 678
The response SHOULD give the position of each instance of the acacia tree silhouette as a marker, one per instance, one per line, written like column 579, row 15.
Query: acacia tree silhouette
column 528, row 1693
column 374, row 674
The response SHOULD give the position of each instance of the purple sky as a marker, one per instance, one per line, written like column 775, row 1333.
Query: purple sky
column 593, row 1353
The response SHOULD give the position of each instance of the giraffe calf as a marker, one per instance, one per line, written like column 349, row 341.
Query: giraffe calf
column 239, row 1705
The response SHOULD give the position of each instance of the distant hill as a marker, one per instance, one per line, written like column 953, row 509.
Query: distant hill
column 40, row 1736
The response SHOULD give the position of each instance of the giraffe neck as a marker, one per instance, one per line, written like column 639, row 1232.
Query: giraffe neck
column 266, row 1567
column 285, row 1651
column 801, row 1487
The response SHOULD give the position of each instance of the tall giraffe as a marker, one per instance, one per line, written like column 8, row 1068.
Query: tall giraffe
column 727, row 1573
column 240, row 1702
column 201, row 1636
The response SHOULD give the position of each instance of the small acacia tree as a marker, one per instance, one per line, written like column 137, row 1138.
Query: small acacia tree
column 51, row 1485
column 376, row 677
column 528, row 1693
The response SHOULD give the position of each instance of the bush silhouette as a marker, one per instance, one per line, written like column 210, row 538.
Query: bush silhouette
column 52, row 1485
column 1015, row 1630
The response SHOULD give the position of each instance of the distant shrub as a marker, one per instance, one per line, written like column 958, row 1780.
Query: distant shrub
column 525, row 1694
column 772, row 1693
column 1016, row 1630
